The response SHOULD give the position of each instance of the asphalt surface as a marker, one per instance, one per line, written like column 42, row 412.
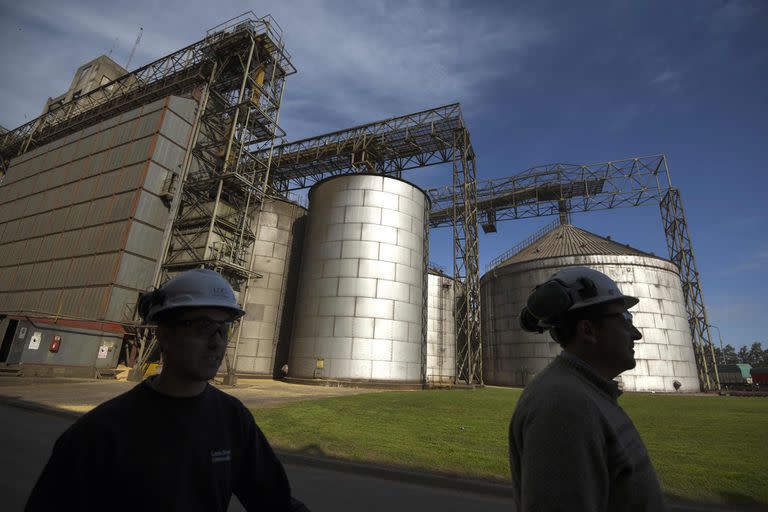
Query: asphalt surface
column 33, row 413
column 28, row 437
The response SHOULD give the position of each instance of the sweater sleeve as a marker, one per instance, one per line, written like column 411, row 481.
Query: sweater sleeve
column 562, row 458
column 262, row 483
column 73, row 475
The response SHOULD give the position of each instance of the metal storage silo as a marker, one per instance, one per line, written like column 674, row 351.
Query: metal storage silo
column 512, row 357
column 360, row 313
column 262, row 345
column 441, row 328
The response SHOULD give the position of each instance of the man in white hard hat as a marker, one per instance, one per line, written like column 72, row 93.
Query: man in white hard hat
column 571, row 446
column 177, row 442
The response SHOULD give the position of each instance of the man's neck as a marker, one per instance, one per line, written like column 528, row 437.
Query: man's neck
column 169, row 384
column 596, row 365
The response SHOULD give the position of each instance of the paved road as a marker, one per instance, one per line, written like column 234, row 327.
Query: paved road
column 27, row 438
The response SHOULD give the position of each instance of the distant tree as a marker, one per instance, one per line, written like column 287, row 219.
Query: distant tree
column 727, row 355
column 743, row 355
column 719, row 356
column 756, row 355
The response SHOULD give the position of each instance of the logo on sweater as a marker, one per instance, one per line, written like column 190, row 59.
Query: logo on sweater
column 220, row 456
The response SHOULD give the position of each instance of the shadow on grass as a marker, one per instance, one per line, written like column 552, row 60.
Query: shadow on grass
column 743, row 501
column 732, row 500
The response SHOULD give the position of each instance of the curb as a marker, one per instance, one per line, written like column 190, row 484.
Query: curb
column 448, row 481
column 40, row 408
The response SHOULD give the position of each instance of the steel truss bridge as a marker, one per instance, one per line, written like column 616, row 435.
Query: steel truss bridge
column 237, row 74
column 562, row 189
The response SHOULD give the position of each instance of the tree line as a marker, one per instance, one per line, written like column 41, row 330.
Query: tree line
column 755, row 355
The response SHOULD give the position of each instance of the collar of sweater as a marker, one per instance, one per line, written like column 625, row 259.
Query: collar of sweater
column 611, row 388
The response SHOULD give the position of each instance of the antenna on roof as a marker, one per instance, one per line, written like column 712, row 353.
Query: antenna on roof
column 112, row 48
column 133, row 50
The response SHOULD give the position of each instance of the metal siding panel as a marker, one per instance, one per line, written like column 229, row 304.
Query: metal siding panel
column 148, row 124
column 84, row 147
column 91, row 301
column 348, row 198
column 183, row 107
column 379, row 233
column 151, row 210
column 168, row 154
column 156, row 178
column 103, row 268
column 135, row 272
column 356, row 287
column 360, row 250
column 176, row 129
column 105, row 185
column 114, row 236
column 82, row 271
column 144, row 240
column 90, row 238
column 49, row 301
column 122, row 206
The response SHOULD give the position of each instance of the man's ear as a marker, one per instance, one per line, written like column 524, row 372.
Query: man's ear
column 586, row 330
column 162, row 337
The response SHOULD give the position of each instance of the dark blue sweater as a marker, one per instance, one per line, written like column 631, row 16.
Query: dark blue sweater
column 572, row 447
column 147, row 451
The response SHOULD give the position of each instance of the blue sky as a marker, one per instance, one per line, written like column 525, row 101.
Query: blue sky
column 575, row 82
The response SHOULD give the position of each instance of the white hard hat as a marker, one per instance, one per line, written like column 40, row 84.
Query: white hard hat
column 198, row 288
column 568, row 290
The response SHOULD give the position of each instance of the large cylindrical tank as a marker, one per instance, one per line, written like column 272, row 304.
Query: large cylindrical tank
column 441, row 328
column 360, row 313
column 512, row 357
column 262, row 347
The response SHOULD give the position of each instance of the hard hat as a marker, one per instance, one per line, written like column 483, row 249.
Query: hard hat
column 569, row 290
column 198, row 288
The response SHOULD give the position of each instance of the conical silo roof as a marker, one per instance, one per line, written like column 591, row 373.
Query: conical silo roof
column 568, row 240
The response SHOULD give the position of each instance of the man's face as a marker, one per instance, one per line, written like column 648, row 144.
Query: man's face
column 194, row 343
column 616, row 337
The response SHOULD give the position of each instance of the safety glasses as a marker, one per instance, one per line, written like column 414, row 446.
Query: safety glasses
column 207, row 327
column 624, row 315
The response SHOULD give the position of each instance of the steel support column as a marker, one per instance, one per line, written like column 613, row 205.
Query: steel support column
column 681, row 254
column 469, row 359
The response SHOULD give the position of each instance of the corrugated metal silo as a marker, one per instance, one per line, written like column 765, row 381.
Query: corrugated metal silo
column 512, row 357
column 441, row 328
column 265, row 331
column 360, row 313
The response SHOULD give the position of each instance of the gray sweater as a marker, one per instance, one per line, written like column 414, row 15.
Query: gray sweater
column 572, row 447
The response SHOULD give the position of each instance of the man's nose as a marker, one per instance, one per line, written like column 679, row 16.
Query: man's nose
column 218, row 337
column 636, row 334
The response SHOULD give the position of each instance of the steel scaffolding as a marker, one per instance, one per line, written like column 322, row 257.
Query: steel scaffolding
column 561, row 189
column 221, row 182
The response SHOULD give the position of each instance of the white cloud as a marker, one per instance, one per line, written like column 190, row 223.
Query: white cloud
column 730, row 16
column 356, row 63
column 668, row 80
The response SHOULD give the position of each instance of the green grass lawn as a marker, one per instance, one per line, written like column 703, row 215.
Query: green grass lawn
column 711, row 449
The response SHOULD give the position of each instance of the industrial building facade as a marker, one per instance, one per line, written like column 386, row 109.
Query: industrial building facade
column 132, row 178
column 82, row 224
